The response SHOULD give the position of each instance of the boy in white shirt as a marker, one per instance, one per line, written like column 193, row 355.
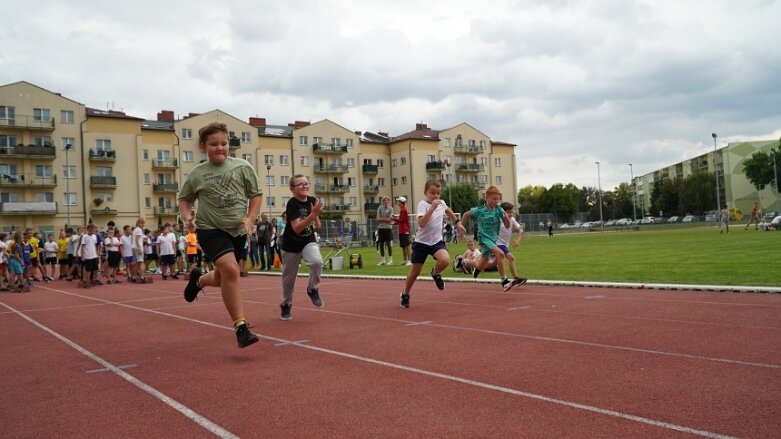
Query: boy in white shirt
column 138, row 251
column 89, row 255
column 126, row 248
column 505, row 233
column 166, row 248
column 111, row 243
column 428, row 239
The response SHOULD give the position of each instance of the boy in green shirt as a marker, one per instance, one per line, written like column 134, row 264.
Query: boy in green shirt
column 488, row 218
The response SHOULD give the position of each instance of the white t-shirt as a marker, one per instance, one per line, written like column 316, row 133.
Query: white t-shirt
column 127, row 245
column 182, row 243
column 432, row 232
column 505, row 233
column 167, row 243
column 138, row 239
column 88, row 247
column 50, row 248
column 111, row 243
column 3, row 246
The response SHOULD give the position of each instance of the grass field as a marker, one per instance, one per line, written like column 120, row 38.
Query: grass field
column 696, row 255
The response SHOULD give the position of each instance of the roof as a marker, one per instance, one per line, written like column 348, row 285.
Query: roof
column 420, row 133
column 499, row 142
column 162, row 125
column 94, row 112
column 370, row 137
column 276, row 131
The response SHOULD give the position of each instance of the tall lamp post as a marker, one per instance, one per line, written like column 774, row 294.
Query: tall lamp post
column 268, row 182
column 599, row 184
column 449, row 198
column 68, row 147
column 716, row 170
column 634, row 193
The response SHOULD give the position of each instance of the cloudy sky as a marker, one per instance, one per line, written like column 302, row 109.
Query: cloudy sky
column 570, row 82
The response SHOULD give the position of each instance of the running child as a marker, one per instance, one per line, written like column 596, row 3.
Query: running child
column 503, row 242
column 428, row 240
column 488, row 218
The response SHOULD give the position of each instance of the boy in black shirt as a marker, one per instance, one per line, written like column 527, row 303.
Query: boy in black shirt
column 298, row 241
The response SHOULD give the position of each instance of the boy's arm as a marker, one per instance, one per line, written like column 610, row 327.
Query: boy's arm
column 423, row 220
column 252, row 213
column 186, row 211
column 519, row 233
column 299, row 224
column 506, row 220
column 461, row 229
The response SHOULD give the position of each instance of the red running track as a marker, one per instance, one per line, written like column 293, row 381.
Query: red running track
column 472, row 361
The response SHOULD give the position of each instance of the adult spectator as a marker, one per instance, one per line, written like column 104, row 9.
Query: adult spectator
column 402, row 219
column 384, row 231
column 265, row 232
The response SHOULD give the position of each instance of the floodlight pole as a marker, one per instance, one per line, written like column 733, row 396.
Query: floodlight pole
column 447, row 182
column 599, row 183
column 68, row 147
column 716, row 170
column 634, row 193
column 268, row 182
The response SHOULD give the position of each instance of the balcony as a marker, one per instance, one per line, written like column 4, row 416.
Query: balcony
column 336, row 208
column 27, row 181
column 165, row 164
column 331, row 169
column 332, row 188
column 102, row 182
column 320, row 148
column 371, row 189
column 370, row 169
column 435, row 166
column 468, row 150
column 95, row 211
column 102, row 155
column 166, row 187
column 162, row 210
column 24, row 208
column 477, row 184
column 45, row 152
column 28, row 123
column 470, row 167
column 371, row 207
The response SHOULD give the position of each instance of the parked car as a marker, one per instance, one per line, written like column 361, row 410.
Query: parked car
column 688, row 219
column 610, row 222
column 566, row 226
column 585, row 225
column 672, row 219
column 647, row 220
column 623, row 222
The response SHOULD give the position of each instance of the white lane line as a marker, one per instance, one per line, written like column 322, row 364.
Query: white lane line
column 425, row 322
column 575, row 405
column 124, row 366
column 594, row 297
column 517, row 308
column 295, row 342
column 195, row 417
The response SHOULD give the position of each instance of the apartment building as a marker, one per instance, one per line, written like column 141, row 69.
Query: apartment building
column 93, row 165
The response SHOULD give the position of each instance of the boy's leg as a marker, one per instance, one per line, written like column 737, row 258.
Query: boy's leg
column 499, row 260
column 510, row 258
column 314, row 260
column 413, row 274
column 290, row 261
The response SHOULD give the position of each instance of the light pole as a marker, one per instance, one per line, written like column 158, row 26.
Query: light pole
column 268, row 182
column 599, row 184
column 716, row 170
column 449, row 198
column 634, row 193
column 68, row 147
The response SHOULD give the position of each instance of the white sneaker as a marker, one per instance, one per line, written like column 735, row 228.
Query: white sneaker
column 382, row 261
column 409, row 263
column 390, row 261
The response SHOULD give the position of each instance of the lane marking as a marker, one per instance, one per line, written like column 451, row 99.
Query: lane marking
column 594, row 297
column 517, row 308
column 425, row 322
column 295, row 342
column 181, row 408
column 105, row 369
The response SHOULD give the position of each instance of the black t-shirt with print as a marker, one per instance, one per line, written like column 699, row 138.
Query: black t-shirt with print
column 292, row 242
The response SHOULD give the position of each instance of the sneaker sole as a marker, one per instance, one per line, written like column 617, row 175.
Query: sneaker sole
column 286, row 318
column 251, row 341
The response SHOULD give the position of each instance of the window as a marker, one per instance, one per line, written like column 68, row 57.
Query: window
column 403, row 161
column 284, row 180
column 351, row 181
column 395, row 181
column 268, row 159
column 284, row 160
column 246, row 137
column 43, row 141
column 350, row 162
column 349, row 143
column 69, row 171
column 431, row 158
column 381, row 181
column 482, row 144
column 203, row 157
column 70, row 199
column 44, row 197
column 447, row 142
column 43, row 171
column 498, row 179
column 394, row 163
column 403, row 179
column 483, row 161
column 285, row 200
column 7, row 169
column 353, row 201
column 66, row 116
column 187, row 156
column 335, row 141
column 303, row 140
column 145, row 154
column 304, row 160
column 432, row 177
column 41, row 114
column 247, row 157
column 270, row 201
column 498, row 162
column 319, row 181
column 380, row 163
column 269, row 180
column 103, row 171
column 9, row 197
column 64, row 141
column 165, row 179
column 163, row 155
column 7, row 113
column 105, row 196
column 317, row 140
column 147, row 202
column 187, row 133
column 104, row 144
column 147, row 180
column 472, row 143
column 7, row 141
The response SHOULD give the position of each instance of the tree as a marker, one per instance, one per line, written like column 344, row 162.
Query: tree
column 560, row 200
column 666, row 197
column 622, row 205
column 529, row 198
column 759, row 169
column 698, row 193
column 463, row 195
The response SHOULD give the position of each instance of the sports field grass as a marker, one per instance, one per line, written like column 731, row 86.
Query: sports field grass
column 694, row 255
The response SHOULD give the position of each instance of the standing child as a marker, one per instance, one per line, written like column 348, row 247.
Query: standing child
column 503, row 242
column 229, row 199
column 50, row 250
column 89, row 255
column 62, row 254
column 488, row 218
column 111, row 243
column 428, row 239
column 16, row 263
column 5, row 282
column 126, row 249
column 298, row 241
column 166, row 247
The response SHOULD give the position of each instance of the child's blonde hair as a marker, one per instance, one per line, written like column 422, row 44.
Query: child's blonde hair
column 492, row 190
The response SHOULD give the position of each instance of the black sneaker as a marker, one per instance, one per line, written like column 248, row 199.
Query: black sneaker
column 476, row 273
column 506, row 284
column 192, row 289
column 404, row 300
column 314, row 295
column 438, row 280
column 519, row 281
column 285, row 313
column 244, row 337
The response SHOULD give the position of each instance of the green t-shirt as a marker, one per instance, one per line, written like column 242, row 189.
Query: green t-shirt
column 488, row 222
column 223, row 193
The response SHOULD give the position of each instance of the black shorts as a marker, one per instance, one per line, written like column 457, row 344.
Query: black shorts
column 167, row 259
column 421, row 251
column 384, row 235
column 113, row 259
column 64, row 261
column 91, row 264
column 216, row 243
column 404, row 239
column 51, row 261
